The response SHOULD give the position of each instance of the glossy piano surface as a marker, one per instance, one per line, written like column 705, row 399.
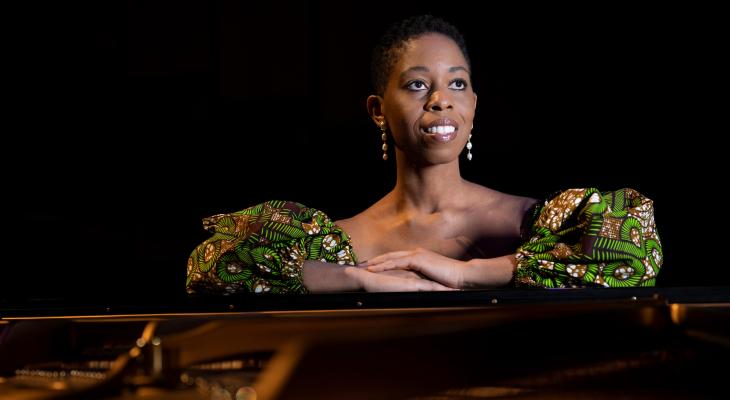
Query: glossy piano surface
column 534, row 344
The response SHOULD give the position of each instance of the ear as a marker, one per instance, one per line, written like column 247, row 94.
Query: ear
column 375, row 109
column 475, row 102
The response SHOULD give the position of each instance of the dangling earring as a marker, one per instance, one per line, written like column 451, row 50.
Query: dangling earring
column 468, row 145
column 384, row 137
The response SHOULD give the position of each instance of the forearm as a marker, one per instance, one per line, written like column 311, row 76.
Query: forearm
column 319, row 276
column 489, row 272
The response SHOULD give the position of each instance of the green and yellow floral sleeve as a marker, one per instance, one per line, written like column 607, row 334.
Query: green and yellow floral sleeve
column 583, row 237
column 262, row 249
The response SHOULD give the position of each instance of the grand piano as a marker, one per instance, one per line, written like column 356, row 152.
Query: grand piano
column 634, row 343
column 136, row 77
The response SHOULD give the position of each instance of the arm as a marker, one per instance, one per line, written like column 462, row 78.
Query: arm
column 475, row 273
column 326, row 277
column 489, row 272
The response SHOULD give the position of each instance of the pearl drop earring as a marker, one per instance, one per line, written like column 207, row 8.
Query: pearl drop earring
column 468, row 145
column 384, row 137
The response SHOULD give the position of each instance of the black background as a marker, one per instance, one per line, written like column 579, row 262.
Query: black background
column 130, row 121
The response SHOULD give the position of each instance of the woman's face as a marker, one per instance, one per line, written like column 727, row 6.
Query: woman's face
column 428, row 102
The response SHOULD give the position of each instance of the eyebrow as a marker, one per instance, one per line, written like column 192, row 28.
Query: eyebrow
column 424, row 69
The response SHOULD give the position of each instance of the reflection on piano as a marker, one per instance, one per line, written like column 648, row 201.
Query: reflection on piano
column 535, row 344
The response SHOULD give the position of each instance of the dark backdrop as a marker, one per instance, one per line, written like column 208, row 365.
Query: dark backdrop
column 133, row 120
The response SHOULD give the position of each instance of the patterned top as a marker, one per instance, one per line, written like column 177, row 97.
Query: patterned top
column 582, row 237
column 579, row 237
column 262, row 249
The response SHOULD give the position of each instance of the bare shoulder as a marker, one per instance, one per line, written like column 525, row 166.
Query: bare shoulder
column 486, row 197
column 348, row 224
column 360, row 221
column 362, row 229
column 496, row 211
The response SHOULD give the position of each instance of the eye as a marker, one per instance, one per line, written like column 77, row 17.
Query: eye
column 458, row 84
column 417, row 85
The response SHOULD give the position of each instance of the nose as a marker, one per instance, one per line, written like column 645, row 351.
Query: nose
column 439, row 101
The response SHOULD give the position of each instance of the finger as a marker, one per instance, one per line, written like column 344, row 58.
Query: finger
column 430, row 286
column 441, row 287
column 401, row 273
column 388, row 256
column 398, row 284
column 401, row 263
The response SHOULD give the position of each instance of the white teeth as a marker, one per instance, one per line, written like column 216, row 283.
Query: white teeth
column 441, row 130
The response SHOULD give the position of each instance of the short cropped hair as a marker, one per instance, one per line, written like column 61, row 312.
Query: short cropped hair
column 392, row 43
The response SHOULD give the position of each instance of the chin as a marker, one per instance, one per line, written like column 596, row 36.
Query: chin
column 438, row 159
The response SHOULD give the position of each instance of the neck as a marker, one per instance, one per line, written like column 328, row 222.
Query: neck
column 427, row 189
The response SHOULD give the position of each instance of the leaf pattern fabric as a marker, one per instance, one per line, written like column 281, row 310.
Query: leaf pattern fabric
column 262, row 249
column 582, row 237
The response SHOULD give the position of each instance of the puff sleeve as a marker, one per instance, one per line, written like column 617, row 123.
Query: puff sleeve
column 583, row 237
column 263, row 248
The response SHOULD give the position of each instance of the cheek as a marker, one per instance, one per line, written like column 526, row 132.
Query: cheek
column 467, row 105
column 468, row 115
column 408, row 114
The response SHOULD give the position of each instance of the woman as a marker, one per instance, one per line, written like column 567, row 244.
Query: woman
column 434, row 230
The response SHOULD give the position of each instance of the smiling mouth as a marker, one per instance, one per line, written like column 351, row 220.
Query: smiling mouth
column 441, row 131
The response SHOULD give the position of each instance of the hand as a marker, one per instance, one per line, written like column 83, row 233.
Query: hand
column 402, row 273
column 396, row 281
column 441, row 269
column 321, row 277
